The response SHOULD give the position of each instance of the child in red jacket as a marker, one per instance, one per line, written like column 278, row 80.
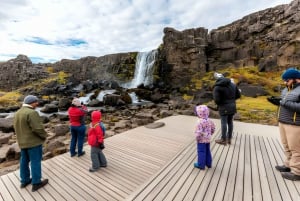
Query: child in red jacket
column 96, row 141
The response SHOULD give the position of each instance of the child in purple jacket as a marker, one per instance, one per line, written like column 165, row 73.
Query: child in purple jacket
column 204, row 130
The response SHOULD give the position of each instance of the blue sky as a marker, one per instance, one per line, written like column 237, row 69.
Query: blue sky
column 51, row 30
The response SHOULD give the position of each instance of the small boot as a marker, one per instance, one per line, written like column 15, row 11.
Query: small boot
column 229, row 141
column 196, row 165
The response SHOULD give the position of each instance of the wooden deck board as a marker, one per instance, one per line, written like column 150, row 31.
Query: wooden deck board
column 157, row 164
column 226, row 179
column 229, row 188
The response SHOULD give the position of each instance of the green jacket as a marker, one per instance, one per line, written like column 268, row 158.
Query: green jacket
column 29, row 128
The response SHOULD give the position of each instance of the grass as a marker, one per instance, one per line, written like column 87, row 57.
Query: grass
column 257, row 110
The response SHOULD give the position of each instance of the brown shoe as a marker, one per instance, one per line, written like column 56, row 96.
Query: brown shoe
column 229, row 141
column 221, row 141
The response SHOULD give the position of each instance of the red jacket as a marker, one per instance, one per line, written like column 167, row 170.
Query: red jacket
column 95, row 132
column 77, row 115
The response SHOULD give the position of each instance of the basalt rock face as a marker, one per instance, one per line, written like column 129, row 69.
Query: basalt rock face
column 119, row 67
column 182, row 56
column 268, row 39
column 18, row 72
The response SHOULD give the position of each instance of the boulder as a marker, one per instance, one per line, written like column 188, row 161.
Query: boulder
column 6, row 124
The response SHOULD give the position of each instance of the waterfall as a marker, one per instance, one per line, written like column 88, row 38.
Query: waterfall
column 143, row 73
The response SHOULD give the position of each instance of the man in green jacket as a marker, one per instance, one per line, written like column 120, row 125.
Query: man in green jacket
column 30, row 136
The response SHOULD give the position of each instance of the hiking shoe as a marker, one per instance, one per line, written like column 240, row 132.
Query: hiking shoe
column 72, row 155
column 36, row 187
column 93, row 170
column 290, row 176
column 221, row 141
column 26, row 184
column 81, row 154
column 282, row 168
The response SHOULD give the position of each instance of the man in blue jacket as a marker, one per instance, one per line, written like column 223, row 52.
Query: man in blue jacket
column 289, row 124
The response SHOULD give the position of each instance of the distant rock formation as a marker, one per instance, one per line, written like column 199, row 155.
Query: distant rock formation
column 109, row 67
column 18, row 72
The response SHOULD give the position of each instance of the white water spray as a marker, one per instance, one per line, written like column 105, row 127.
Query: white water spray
column 143, row 73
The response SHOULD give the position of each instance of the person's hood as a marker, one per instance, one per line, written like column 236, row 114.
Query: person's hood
column 202, row 111
column 96, row 116
column 223, row 82
column 218, row 75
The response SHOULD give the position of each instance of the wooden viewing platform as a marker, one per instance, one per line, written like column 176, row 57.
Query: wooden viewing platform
column 157, row 164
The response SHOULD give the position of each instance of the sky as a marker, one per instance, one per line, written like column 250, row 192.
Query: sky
column 51, row 30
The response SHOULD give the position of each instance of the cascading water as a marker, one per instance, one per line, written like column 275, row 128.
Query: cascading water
column 143, row 73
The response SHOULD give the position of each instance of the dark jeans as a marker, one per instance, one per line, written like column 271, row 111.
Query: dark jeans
column 33, row 155
column 78, row 135
column 98, row 158
column 204, row 155
column 227, row 122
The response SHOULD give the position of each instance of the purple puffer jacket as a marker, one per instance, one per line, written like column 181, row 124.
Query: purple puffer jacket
column 205, row 126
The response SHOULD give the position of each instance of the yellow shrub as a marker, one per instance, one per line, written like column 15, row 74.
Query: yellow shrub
column 9, row 98
column 61, row 78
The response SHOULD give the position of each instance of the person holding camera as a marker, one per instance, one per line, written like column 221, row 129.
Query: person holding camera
column 77, row 113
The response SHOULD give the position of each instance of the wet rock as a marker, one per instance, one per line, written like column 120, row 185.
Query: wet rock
column 50, row 108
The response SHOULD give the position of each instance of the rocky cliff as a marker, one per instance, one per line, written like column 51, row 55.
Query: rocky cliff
column 18, row 72
column 115, row 66
column 268, row 39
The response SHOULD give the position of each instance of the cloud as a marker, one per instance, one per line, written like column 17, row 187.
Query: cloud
column 51, row 30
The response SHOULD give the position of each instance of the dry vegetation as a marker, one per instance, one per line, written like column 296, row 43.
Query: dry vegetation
column 12, row 98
